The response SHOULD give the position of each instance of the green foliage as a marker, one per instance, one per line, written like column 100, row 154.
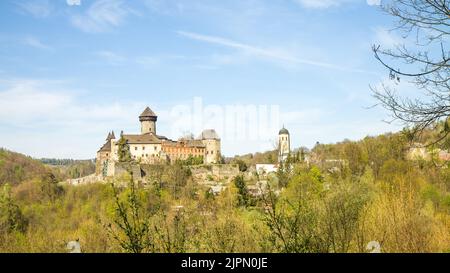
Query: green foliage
column 177, row 177
column 16, row 168
column 243, row 195
column 269, row 157
column 370, row 193
column 343, row 207
column 49, row 186
column 292, row 223
column 123, row 150
column 131, row 229
column 241, row 163
column 70, row 168
column 11, row 216
column 283, row 175
column 191, row 160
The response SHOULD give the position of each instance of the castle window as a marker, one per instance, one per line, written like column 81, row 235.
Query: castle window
column 135, row 148
column 155, row 148
column 143, row 147
column 106, row 154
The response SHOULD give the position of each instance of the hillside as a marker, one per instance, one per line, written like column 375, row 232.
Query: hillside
column 16, row 167
column 70, row 168
column 373, row 193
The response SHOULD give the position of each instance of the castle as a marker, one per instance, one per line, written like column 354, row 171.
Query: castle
column 150, row 148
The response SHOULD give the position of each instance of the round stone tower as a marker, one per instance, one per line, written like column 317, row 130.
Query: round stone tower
column 148, row 120
column 284, row 144
column 211, row 140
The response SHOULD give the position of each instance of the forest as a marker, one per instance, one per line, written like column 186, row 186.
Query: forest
column 371, row 193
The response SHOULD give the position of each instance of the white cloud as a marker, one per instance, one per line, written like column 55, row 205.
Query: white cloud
column 48, row 119
column 73, row 2
column 34, row 42
column 373, row 2
column 102, row 15
column 167, row 6
column 28, row 101
column 37, row 8
column 277, row 55
column 111, row 57
column 24, row 100
column 386, row 38
column 45, row 118
column 321, row 4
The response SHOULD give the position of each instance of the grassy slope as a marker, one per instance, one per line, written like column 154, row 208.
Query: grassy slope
column 16, row 167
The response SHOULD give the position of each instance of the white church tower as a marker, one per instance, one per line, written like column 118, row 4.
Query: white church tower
column 284, row 144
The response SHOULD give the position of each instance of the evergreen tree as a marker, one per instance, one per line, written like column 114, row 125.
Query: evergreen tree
column 123, row 150
column 243, row 195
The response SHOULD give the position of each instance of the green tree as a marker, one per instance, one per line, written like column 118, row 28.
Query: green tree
column 123, row 150
column 131, row 227
column 11, row 217
column 282, row 175
column 342, row 209
column 50, row 187
column 241, row 163
column 177, row 178
column 357, row 160
column 243, row 195
column 172, row 233
column 293, row 220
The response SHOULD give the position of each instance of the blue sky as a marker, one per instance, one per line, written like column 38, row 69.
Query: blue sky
column 71, row 70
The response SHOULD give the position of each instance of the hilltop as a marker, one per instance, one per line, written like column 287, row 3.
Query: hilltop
column 16, row 168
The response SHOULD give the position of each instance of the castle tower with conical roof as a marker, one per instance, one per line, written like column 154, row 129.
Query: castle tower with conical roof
column 148, row 120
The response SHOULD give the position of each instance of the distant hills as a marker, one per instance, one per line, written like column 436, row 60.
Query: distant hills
column 16, row 167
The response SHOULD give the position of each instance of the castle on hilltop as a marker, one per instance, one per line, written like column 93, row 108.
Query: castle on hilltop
column 150, row 148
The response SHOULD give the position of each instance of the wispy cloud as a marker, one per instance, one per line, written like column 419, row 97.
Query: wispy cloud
column 271, row 54
column 373, row 2
column 36, row 43
column 37, row 8
column 73, row 2
column 35, row 113
column 386, row 38
column 321, row 4
column 102, row 15
column 111, row 57
column 148, row 61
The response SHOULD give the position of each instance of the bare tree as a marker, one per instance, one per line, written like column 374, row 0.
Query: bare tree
column 425, row 63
